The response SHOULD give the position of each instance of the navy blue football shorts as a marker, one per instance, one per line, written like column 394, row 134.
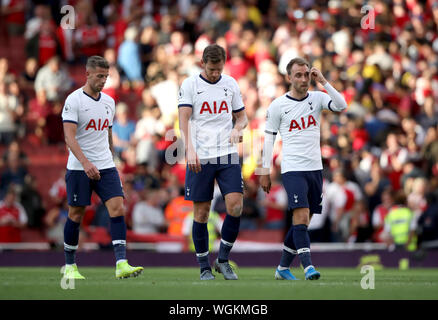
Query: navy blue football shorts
column 80, row 187
column 226, row 170
column 304, row 189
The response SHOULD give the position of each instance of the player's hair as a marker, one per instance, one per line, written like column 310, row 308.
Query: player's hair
column 94, row 62
column 214, row 54
column 298, row 61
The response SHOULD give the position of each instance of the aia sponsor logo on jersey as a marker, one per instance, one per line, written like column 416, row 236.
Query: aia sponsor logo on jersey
column 97, row 125
column 214, row 109
column 303, row 123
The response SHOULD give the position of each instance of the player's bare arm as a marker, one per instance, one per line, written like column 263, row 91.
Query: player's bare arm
column 110, row 139
column 241, row 123
column 70, row 133
column 184, row 114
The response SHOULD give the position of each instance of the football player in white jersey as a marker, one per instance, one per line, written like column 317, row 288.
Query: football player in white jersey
column 87, row 118
column 207, row 105
column 296, row 115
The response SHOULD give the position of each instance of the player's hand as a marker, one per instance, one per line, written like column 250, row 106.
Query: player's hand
column 236, row 136
column 193, row 161
column 317, row 76
column 265, row 182
column 91, row 171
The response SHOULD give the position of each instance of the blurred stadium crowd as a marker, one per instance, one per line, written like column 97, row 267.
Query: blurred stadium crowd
column 380, row 156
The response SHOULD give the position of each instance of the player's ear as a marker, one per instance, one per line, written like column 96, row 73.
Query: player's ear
column 288, row 77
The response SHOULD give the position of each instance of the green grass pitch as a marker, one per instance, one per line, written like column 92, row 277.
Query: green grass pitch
column 184, row 284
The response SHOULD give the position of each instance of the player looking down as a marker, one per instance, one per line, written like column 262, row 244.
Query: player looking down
column 207, row 105
column 87, row 118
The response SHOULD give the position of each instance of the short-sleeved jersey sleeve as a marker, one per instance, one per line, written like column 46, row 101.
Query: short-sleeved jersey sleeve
column 272, row 119
column 325, row 101
column 185, row 94
column 70, row 112
column 237, row 102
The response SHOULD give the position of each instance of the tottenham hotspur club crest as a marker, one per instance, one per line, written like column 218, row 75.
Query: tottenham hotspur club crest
column 310, row 104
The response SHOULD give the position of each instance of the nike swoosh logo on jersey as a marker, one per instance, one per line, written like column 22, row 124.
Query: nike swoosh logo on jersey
column 199, row 92
column 286, row 112
column 87, row 110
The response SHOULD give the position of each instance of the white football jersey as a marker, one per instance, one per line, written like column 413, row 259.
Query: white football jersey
column 93, row 118
column 212, row 119
column 298, row 122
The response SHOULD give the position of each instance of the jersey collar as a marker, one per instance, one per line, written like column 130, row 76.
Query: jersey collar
column 91, row 96
column 200, row 75
column 288, row 96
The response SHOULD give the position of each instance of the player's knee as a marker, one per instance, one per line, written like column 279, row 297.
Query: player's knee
column 117, row 211
column 235, row 209
column 201, row 212
column 76, row 214
column 301, row 216
column 201, row 216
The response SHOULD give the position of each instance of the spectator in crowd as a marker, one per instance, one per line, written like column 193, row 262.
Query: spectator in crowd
column 148, row 42
column 28, row 76
column 54, row 132
column 131, row 198
column 9, row 112
column 380, row 212
column 374, row 186
column 400, row 225
column 342, row 196
column 54, row 222
column 14, row 14
column 44, row 45
column 175, row 213
column 427, row 227
column 147, row 216
column 129, row 57
column 89, row 35
column 13, row 217
column 147, row 130
column 123, row 129
column 13, row 174
column 392, row 159
column 53, row 79
column 32, row 202
column 14, row 148
column 38, row 110
column 112, row 83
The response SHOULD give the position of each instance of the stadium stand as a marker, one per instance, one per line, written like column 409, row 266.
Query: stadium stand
column 387, row 73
